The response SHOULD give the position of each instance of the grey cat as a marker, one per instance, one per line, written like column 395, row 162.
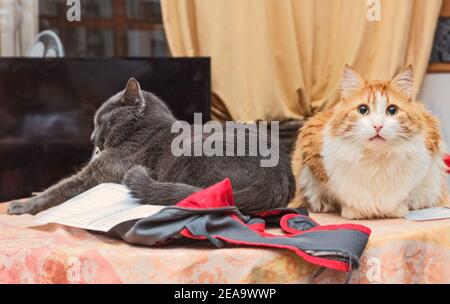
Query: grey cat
column 133, row 132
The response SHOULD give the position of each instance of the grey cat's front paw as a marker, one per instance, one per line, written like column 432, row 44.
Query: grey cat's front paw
column 139, row 182
column 136, row 176
column 18, row 208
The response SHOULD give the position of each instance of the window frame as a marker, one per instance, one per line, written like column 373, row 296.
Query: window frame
column 119, row 23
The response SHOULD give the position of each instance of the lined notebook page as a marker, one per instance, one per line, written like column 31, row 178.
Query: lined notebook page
column 99, row 208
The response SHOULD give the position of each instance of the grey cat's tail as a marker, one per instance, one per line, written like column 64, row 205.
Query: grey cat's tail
column 254, row 198
column 259, row 196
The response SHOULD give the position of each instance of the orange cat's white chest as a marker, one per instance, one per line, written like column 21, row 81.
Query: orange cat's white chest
column 374, row 180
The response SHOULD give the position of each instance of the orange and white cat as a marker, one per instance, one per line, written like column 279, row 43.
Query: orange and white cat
column 377, row 154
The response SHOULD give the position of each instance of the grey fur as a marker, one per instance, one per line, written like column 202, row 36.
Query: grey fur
column 133, row 132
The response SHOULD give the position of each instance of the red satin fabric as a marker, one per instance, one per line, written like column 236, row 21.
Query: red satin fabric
column 216, row 196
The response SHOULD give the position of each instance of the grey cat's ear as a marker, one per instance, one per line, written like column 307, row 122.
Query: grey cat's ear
column 132, row 93
column 404, row 82
column 350, row 82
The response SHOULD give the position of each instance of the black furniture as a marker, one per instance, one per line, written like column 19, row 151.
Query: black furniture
column 47, row 106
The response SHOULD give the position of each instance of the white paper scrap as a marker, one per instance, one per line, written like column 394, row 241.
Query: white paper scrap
column 100, row 209
column 429, row 214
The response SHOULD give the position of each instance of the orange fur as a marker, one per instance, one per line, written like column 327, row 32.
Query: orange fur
column 307, row 152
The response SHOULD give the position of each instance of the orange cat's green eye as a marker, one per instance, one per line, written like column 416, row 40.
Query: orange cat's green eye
column 392, row 110
column 363, row 109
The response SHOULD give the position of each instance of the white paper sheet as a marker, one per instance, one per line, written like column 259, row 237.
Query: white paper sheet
column 429, row 214
column 99, row 208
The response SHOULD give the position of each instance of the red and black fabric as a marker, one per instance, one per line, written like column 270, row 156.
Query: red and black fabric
column 447, row 162
column 211, row 215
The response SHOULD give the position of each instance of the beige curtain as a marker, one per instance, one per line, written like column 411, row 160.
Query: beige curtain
column 280, row 59
column 18, row 26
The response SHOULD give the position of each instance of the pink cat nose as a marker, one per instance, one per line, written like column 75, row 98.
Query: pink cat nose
column 378, row 128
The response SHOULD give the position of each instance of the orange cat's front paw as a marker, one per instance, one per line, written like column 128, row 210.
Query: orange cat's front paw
column 351, row 213
column 400, row 211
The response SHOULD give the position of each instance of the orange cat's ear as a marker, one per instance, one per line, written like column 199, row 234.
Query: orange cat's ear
column 351, row 82
column 404, row 82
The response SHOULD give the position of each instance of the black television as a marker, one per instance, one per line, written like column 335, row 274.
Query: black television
column 47, row 106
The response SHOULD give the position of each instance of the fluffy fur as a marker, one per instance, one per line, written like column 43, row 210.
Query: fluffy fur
column 371, row 165
column 133, row 133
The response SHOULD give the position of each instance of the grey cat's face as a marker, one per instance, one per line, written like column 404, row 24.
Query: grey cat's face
column 118, row 116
